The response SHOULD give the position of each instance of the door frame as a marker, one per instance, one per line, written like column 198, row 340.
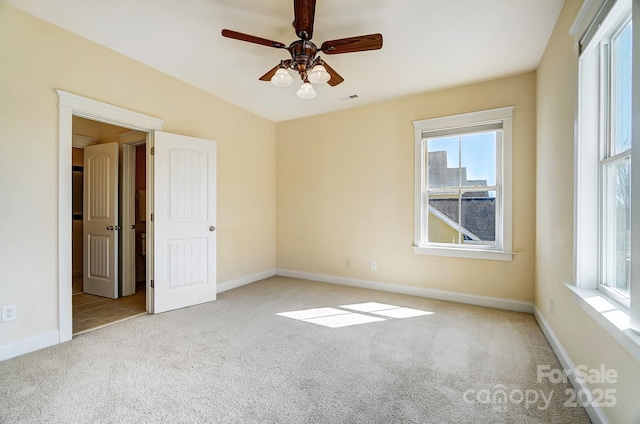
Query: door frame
column 70, row 105
column 126, row 216
column 128, row 143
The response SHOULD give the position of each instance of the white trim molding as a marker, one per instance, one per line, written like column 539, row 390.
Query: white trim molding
column 11, row 350
column 470, row 299
column 108, row 114
column 70, row 105
column 463, row 119
column 455, row 252
column 243, row 281
column 595, row 413
column 587, row 12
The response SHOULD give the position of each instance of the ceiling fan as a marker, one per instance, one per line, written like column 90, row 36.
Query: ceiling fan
column 311, row 68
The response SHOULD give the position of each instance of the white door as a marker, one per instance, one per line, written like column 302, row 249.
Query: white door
column 100, row 220
column 184, row 219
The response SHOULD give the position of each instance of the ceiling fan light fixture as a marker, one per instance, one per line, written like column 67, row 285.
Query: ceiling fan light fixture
column 306, row 91
column 282, row 78
column 319, row 75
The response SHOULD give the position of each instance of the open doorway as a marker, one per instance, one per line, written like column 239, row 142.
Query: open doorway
column 93, row 308
column 181, row 209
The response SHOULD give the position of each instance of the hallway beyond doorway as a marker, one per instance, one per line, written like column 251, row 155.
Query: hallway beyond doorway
column 91, row 312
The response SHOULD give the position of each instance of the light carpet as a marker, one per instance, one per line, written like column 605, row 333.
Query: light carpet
column 236, row 361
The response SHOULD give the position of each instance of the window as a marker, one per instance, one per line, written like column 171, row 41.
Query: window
column 463, row 185
column 604, row 193
column 615, row 165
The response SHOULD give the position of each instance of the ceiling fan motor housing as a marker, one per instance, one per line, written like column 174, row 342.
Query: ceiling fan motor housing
column 303, row 53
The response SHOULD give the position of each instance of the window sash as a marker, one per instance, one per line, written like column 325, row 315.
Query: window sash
column 609, row 264
column 612, row 100
column 497, row 244
column 607, row 230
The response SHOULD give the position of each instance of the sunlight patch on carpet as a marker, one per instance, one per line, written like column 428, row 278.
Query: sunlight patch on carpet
column 313, row 313
column 390, row 311
column 344, row 320
column 337, row 318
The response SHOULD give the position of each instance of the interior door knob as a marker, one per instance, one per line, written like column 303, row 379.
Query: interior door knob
column 110, row 228
column 212, row 228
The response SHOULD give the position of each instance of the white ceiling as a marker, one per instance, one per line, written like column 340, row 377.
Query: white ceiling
column 428, row 44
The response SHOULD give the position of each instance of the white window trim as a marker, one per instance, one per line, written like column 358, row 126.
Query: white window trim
column 502, row 115
column 619, row 320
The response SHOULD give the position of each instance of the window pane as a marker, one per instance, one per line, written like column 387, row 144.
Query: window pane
column 621, row 105
column 478, row 159
column 618, row 225
column 479, row 217
column 444, row 218
column 444, row 162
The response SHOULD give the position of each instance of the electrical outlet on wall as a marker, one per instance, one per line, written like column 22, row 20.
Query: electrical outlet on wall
column 9, row 313
column 374, row 265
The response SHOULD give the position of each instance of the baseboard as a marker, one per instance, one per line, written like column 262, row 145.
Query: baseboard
column 491, row 302
column 595, row 413
column 11, row 350
column 234, row 284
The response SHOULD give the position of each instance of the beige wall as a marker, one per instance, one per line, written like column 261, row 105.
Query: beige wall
column 38, row 58
column 345, row 185
column 584, row 340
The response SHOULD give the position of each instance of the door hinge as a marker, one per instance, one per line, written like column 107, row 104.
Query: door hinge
column 153, row 151
column 152, row 217
column 152, row 286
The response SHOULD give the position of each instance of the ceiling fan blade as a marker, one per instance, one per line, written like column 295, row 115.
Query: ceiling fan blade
column 353, row 44
column 252, row 39
column 304, row 11
column 336, row 78
column 269, row 74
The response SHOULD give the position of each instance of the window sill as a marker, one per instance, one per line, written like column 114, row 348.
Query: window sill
column 492, row 255
column 614, row 318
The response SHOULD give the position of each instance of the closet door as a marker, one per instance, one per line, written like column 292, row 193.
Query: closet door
column 100, row 220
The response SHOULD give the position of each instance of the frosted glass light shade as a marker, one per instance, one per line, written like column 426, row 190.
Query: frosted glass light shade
column 306, row 91
column 282, row 78
column 319, row 75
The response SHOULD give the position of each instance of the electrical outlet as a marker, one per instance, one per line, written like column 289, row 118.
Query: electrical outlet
column 374, row 266
column 553, row 308
column 9, row 313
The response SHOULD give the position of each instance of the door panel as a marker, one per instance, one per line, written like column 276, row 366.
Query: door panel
column 100, row 210
column 184, row 221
